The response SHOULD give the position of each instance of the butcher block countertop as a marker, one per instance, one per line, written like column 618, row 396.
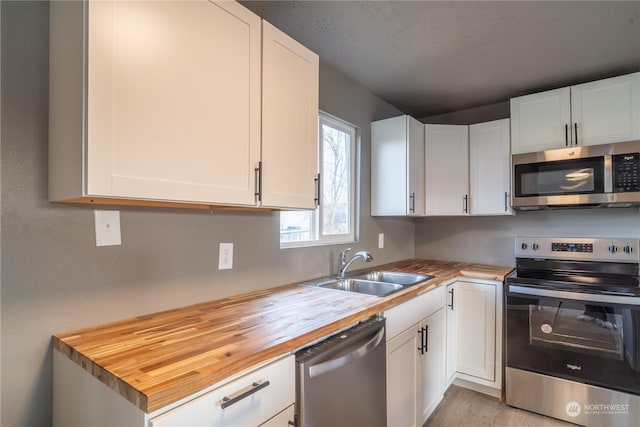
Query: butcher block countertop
column 157, row 359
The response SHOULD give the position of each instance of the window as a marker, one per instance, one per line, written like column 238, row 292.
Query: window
column 334, row 220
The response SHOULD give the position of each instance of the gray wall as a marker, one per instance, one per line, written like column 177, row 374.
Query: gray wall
column 490, row 240
column 54, row 278
column 485, row 113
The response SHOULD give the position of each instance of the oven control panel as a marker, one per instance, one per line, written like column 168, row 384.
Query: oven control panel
column 600, row 249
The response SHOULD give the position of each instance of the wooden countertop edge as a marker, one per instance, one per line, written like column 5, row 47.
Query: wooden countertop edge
column 104, row 376
column 162, row 398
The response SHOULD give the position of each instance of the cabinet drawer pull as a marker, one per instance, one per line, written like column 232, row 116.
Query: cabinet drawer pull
column 318, row 189
column 258, row 172
column 426, row 338
column 246, row 392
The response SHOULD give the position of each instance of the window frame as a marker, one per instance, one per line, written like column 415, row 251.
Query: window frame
column 353, row 161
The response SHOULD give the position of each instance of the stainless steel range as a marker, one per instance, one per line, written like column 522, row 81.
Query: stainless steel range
column 573, row 330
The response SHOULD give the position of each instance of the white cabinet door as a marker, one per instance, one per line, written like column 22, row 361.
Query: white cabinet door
column 283, row 419
column 403, row 379
column 290, row 86
column 489, row 168
column 606, row 111
column 415, row 165
column 452, row 335
column 447, row 169
column 261, row 394
column 433, row 364
column 541, row 121
column 397, row 166
column 600, row 112
column 475, row 307
column 173, row 104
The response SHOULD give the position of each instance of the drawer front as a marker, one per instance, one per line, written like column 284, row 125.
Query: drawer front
column 407, row 314
column 283, row 419
column 248, row 401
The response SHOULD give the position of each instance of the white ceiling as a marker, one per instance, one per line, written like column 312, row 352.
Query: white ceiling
column 433, row 57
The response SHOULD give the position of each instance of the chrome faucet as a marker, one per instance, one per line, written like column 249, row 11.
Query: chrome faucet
column 346, row 263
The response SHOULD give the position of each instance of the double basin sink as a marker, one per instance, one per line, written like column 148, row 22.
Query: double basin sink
column 376, row 283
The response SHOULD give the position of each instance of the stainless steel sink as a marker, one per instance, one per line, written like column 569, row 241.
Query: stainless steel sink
column 404, row 279
column 362, row 286
column 376, row 283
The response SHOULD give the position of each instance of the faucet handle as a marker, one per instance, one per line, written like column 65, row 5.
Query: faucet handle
column 343, row 256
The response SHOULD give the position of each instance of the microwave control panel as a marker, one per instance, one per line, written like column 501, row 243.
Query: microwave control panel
column 626, row 172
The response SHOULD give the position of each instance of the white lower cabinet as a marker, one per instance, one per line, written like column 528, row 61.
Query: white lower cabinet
column 250, row 400
column 474, row 334
column 403, row 379
column 263, row 396
column 415, row 359
column 283, row 419
column 432, row 363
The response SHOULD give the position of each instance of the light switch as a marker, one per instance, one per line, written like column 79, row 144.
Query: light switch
column 107, row 228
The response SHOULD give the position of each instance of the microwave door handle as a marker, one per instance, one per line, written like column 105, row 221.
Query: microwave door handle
column 608, row 174
column 574, row 296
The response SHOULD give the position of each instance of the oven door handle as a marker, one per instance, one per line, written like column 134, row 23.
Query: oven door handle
column 575, row 296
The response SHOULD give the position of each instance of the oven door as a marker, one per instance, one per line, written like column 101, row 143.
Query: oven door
column 588, row 338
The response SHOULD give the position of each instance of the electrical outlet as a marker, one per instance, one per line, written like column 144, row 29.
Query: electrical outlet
column 380, row 240
column 107, row 228
column 225, row 256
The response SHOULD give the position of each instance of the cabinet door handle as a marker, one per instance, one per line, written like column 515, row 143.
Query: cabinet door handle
column 451, row 305
column 506, row 201
column 566, row 135
column 412, row 204
column 317, row 181
column 426, row 338
column 575, row 127
column 246, row 392
column 465, row 203
column 258, row 172
column 421, row 348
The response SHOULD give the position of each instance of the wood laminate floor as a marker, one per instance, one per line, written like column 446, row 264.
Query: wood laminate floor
column 466, row 408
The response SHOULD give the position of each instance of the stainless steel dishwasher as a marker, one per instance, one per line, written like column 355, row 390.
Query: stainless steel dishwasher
column 341, row 382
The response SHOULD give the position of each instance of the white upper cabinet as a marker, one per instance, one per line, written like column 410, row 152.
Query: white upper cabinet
column 540, row 121
column 447, row 169
column 600, row 112
column 397, row 167
column 489, row 168
column 606, row 111
column 290, row 81
column 172, row 106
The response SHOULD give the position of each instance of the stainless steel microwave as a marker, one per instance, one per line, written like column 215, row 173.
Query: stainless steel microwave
column 594, row 176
